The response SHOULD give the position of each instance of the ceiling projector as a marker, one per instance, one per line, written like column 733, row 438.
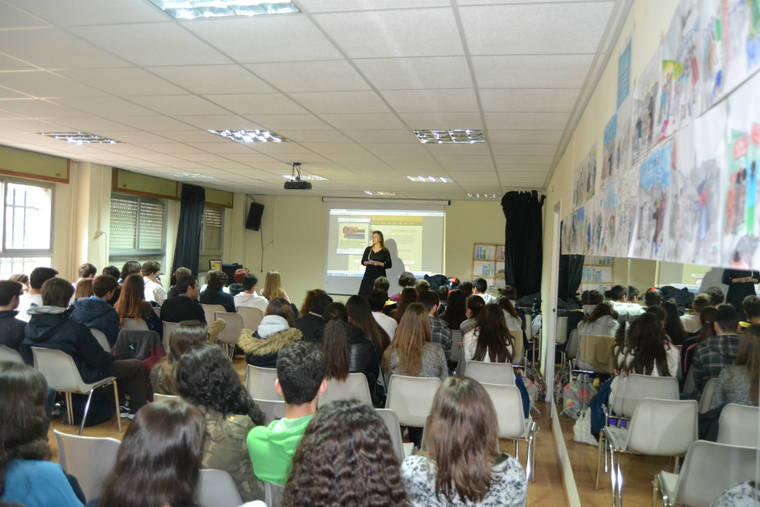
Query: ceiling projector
column 296, row 183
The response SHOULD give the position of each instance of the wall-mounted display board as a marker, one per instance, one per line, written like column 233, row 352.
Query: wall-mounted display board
column 488, row 263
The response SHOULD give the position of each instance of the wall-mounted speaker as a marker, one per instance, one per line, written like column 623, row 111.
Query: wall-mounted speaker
column 254, row 216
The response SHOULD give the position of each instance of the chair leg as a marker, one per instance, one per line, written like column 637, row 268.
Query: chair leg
column 613, row 478
column 529, row 460
column 619, row 483
column 69, row 410
column 517, row 450
column 599, row 448
column 655, row 490
column 677, row 462
column 116, row 401
column 86, row 409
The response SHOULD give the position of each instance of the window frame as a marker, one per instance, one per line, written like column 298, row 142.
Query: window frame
column 25, row 252
column 139, row 252
column 203, row 252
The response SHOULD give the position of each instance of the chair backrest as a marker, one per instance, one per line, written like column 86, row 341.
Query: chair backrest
column 707, row 395
column 168, row 330
column 251, row 317
column 411, row 398
column 561, row 330
column 89, row 459
column 738, row 425
column 59, row 370
column 217, row 489
column 273, row 409
column 711, row 468
column 135, row 325
column 491, row 373
column 517, row 351
column 260, row 383
column 663, row 427
column 273, row 494
column 209, row 311
column 509, row 410
column 355, row 386
column 100, row 336
column 394, row 429
column 9, row 354
column 596, row 350
column 159, row 397
column 231, row 332
column 635, row 388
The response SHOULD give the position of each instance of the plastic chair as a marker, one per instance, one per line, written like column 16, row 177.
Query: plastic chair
column 512, row 424
column 251, row 317
column 159, row 397
column 354, row 387
column 135, row 325
column 217, row 489
column 394, row 429
column 708, row 470
column 490, row 373
column 707, row 395
column 638, row 387
column 657, row 428
column 89, row 459
column 273, row 409
column 260, row 383
column 9, row 354
column 738, row 425
column 273, row 494
column 411, row 398
column 209, row 310
column 62, row 374
column 231, row 333
column 100, row 336
column 168, row 330
column 517, row 351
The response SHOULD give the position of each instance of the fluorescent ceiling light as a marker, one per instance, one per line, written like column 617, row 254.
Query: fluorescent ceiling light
column 454, row 136
column 304, row 177
column 193, row 176
column 430, row 179
column 79, row 137
column 191, row 9
column 249, row 136
column 481, row 196
column 379, row 194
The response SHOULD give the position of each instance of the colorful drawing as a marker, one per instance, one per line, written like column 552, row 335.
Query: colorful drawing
column 646, row 107
column 585, row 179
column 713, row 17
column 621, row 160
column 624, row 74
column 609, row 207
column 608, row 153
column 654, row 182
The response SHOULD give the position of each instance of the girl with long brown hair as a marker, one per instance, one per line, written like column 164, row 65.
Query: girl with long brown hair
column 412, row 352
column 490, row 341
column 132, row 304
column 739, row 383
column 273, row 287
column 360, row 315
column 460, row 463
column 408, row 296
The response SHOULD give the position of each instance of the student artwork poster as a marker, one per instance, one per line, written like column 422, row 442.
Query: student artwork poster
column 621, row 160
column 585, row 179
column 608, row 206
column 608, row 151
column 654, row 183
column 627, row 217
column 647, row 100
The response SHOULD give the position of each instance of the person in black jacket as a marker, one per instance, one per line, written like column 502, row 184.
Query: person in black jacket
column 740, row 285
column 310, row 317
column 377, row 259
column 214, row 293
column 11, row 328
column 96, row 311
column 185, row 305
column 51, row 327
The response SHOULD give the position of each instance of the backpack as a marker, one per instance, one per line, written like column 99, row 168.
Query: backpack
column 576, row 395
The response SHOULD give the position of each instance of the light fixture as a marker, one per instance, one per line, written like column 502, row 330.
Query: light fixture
column 79, row 137
column 430, row 179
column 453, row 136
column 249, row 136
column 191, row 9
column 379, row 194
column 478, row 195
column 193, row 176
column 304, row 177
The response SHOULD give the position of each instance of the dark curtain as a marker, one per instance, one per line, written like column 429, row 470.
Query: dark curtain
column 570, row 273
column 523, row 249
column 188, row 246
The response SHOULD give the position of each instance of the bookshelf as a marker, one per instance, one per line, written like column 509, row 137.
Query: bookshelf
column 488, row 263
column 597, row 273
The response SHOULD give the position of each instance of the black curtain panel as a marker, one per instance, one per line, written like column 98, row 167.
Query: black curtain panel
column 523, row 240
column 188, row 246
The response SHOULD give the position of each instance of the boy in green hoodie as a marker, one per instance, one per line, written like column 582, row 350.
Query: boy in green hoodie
column 300, row 381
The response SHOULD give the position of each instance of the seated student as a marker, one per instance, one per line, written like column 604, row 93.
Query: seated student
column 456, row 312
column 189, row 335
column 376, row 301
column 421, row 286
column 443, row 297
column 129, row 268
column 22, row 279
column 707, row 317
column 300, row 381
column 207, row 379
column 159, row 459
column 132, row 304
column 248, row 296
column 26, row 476
column 718, row 351
column 275, row 331
column 236, row 287
column 51, row 327
column 467, row 288
column 633, row 294
column 360, row 315
column 83, row 289
column 673, row 326
column 739, row 383
column 626, row 311
column 592, row 300
column 408, row 296
column 751, row 305
column 86, row 272
column 405, row 281
column 345, row 458
column 690, row 321
column 479, row 287
column 11, row 328
column 154, row 291
column 96, row 311
column 716, row 296
column 652, row 297
column 381, row 283
column 475, row 304
column 309, row 320
column 214, row 293
column 273, row 287
column 461, row 463
column 179, row 273
column 490, row 341
column 185, row 305
column 603, row 321
column 115, row 273
column 439, row 330
column 37, row 277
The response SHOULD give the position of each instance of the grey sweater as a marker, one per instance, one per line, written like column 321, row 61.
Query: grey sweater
column 433, row 362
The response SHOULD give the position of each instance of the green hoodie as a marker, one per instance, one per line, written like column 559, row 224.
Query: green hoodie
column 272, row 447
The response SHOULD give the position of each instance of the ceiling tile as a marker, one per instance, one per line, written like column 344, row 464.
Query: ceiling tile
column 278, row 122
column 519, row 100
column 213, row 79
column 179, row 104
column 105, row 106
column 366, row 5
column 342, row 102
column 535, row 28
column 550, row 137
column 327, row 76
column 172, row 148
column 351, row 122
column 539, row 71
column 384, row 136
column 315, row 136
column 191, row 136
column 125, row 81
column 218, row 122
column 35, row 108
column 54, row 48
column 70, row 12
column 153, row 122
column 526, row 120
column 152, row 44
column 408, row 32
column 7, row 93
column 14, row 18
column 10, row 64
column 416, row 73
column 432, row 101
column 443, row 120
column 266, row 103
column 523, row 149
column 45, row 84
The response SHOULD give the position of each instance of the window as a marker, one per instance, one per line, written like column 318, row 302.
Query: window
column 137, row 228
column 27, row 226
column 212, row 236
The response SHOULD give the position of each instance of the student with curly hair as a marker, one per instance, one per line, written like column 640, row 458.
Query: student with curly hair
column 345, row 458
column 207, row 379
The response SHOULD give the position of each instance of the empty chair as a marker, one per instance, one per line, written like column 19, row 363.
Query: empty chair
column 135, row 325
column 217, row 489
column 9, row 354
column 490, row 373
column 251, row 317
column 705, row 401
column 89, row 459
column 260, row 383
column 159, row 397
column 209, row 310
column 273, row 409
column 168, row 329
column 638, row 387
column 708, row 470
column 411, row 398
column 62, row 375
column 512, row 424
column 355, row 386
column 231, row 333
column 738, row 425
column 394, row 429
column 101, row 338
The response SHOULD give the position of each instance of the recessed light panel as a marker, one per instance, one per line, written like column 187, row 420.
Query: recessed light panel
column 191, row 9
column 379, row 194
column 481, row 196
column 304, row 177
column 80, row 137
column 249, row 136
column 430, row 179
column 455, row 136
column 193, row 176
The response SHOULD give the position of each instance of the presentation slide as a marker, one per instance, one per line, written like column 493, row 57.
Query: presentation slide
column 414, row 239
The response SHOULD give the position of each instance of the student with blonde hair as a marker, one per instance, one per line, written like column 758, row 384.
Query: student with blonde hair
column 273, row 287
